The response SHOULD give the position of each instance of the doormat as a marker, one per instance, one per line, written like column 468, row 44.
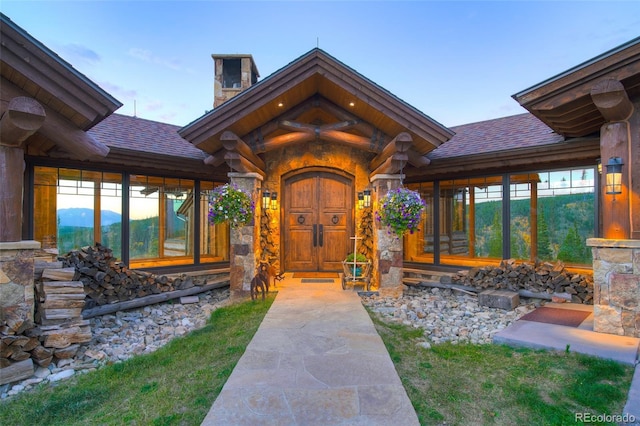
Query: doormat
column 315, row 275
column 557, row 316
column 316, row 280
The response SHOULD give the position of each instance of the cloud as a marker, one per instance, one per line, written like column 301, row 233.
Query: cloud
column 118, row 91
column 147, row 56
column 79, row 53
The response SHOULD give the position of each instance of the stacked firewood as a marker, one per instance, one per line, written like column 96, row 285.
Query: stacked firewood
column 59, row 301
column 538, row 277
column 107, row 281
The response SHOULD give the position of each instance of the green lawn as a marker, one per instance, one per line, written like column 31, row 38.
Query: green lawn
column 448, row 384
column 489, row 384
column 176, row 385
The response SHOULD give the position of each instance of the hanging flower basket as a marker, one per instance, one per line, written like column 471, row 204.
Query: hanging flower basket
column 228, row 203
column 401, row 210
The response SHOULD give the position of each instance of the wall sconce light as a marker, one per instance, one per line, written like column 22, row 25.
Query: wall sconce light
column 266, row 199
column 360, row 200
column 274, row 200
column 613, row 183
column 367, row 198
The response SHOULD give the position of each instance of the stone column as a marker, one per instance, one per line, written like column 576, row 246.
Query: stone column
column 387, row 247
column 616, row 281
column 16, row 285
column 244, row 241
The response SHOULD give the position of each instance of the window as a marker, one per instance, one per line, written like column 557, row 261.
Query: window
column 65, row 206
column 214, row 240
column 550, row 215
column 75, row 208
column 160, row 229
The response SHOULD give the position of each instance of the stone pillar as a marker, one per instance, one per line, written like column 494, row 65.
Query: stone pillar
column 244, row 241
column 16, row 286
column 616, row 280
column 387, row 247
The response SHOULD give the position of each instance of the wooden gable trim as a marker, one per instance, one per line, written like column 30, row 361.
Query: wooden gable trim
column 206, row 131
column 564, row 102
column 59, row 130
column 43, row 75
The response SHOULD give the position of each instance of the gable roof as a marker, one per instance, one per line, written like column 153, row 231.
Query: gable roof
column 315, row 75
column 40, row 73
column 564, row 101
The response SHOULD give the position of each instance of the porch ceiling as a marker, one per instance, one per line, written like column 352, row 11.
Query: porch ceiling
column 564, row 102
column 316, row 89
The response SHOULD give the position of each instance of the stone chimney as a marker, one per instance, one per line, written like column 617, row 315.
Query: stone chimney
column 233, row 74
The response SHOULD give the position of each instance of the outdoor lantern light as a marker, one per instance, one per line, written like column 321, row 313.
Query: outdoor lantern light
column 367, row 198
column 360, row 200
column 274, row 200
column 613, row 183
column 266, row 199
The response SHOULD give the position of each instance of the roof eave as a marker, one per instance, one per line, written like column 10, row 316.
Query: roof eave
column 52, row 72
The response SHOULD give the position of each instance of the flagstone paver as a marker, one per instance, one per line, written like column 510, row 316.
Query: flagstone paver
column 316, row 359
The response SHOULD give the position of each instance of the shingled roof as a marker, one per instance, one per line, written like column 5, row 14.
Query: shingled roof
column 500, row 134
column 146, row 136
column 497, row 135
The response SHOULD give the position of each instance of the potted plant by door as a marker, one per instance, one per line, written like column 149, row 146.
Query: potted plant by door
column 356, row 268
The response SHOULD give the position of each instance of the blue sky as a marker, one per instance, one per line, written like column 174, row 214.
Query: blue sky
column 458, row 62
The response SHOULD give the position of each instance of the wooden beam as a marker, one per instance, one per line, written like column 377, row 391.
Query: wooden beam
column 154, row 298
column 231, row 142
column 11, row 189
column 216, row 159
column 295, row 126
column 416, row 159
column 359, row 142
column 611, row 99
column 401, row 143
column 286, row 139
column 62, row 132
column 238, row 163
column 76, row 142
column 23, row 117
column 391, row 165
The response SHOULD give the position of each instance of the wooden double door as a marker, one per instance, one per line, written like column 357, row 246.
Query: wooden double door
column 317, row 221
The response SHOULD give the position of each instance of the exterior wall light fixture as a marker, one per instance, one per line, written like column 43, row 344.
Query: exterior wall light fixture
column 364, row 199
column 274, row 200
column 266, row 199
column 613, row 183
column 367, row 198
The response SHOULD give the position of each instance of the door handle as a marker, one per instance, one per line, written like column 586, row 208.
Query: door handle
column 321, row 237
column 315, row 235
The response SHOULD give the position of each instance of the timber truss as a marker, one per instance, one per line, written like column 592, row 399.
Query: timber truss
column 241, row 153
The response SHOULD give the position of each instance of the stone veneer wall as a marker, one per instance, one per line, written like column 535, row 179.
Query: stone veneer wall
column 616, row 279
column 323, row 154
column 17, row 297
column 244, row 250
column 388, row 260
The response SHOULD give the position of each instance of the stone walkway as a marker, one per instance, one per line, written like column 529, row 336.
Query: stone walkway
column 316, row 359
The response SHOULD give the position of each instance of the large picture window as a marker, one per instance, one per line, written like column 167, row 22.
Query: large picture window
column 75, row 208
column 548, row 217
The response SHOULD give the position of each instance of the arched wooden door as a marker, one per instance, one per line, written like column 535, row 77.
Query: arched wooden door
column 317, row 221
